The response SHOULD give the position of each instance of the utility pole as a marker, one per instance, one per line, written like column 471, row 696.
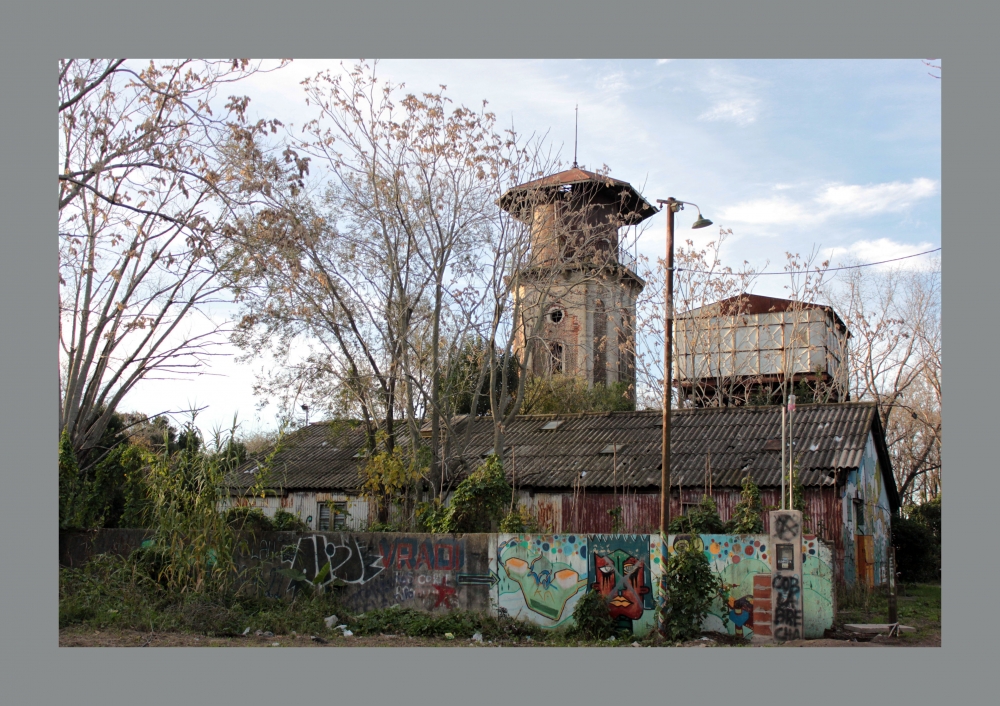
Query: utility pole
column 671, row 207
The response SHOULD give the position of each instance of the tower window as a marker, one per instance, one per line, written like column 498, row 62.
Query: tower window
column 555, row 358
column 555, row 316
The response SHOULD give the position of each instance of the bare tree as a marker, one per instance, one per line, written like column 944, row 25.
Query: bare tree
column 895, row 351
column 368, row 271
column 146, row 186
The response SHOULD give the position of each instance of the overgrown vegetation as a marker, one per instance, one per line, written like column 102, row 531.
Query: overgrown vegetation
column 388, row 477
column 253, row 520
column 518, row 521
column 592, row 619
column 459, row 623
column 479, row 503
column 748, row 514
column 701, row 519
column 916, row 537
column 112, row 592
column 918, row 605
column 569, row 394
column 691, row 588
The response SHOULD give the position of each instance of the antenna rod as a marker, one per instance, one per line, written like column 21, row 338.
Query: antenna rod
column 576, row 133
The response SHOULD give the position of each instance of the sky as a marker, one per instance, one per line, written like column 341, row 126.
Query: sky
column 841, row 157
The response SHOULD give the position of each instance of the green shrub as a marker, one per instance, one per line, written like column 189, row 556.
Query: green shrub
column 478, row 503
column 592, row 619
column 703, row 519
column 748, row 515
column 248, row 519
column 284, row 521
column 569, row 394
column 917, row 551
column 691, row 588
column 518, row 522
column 461, row 624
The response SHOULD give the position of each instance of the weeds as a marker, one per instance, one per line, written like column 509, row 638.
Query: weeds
column 461, row 624
column 123, row 593
column 591, row 618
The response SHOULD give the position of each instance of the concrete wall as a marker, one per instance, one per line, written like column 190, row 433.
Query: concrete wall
column 534, row 577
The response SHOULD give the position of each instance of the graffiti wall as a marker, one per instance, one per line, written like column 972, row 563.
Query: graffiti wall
column 620, row 569
column 540, row 577
column 743, row 563
column 736, row 560
column 866, row 522
column 535, row 577
column 436, row 573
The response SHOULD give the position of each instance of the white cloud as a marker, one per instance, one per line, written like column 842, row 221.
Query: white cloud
column 661, row 62
column 878, row 198
column 741, row 111
column 777, row 210
column 833, row 200
column 612, row 83
column 734, row 97
column 880, row 250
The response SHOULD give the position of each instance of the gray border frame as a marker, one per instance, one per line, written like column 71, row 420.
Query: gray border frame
column 34, row 35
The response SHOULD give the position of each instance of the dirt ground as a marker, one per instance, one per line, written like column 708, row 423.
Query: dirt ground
column 104, row 638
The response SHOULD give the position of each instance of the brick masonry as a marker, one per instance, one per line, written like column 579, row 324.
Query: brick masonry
column 762, row 605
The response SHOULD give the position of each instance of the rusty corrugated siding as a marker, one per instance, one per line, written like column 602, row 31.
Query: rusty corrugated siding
column 587, row 512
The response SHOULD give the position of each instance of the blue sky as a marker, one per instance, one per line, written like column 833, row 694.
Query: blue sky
column 792, row 155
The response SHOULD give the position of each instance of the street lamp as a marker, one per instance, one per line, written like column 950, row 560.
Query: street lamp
column 672, row 205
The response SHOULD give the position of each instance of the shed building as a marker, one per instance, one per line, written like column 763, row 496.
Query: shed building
column 570, row 470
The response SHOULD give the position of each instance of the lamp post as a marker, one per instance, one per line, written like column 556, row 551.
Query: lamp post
column 671, row 205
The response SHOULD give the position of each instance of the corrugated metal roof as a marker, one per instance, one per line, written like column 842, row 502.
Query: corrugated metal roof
column 320, row 456
column 828, row 437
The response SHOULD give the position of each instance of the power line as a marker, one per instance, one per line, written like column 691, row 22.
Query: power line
column 795, row 272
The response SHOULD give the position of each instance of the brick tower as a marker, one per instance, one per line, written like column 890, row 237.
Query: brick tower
column 579, row 291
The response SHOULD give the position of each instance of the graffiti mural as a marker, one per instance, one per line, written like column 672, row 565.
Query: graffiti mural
column 444, row 554
column 817, row 586
column 317, row 561
column 620, row 570
column 539, row 577
column 866, row 522
column 736, row 559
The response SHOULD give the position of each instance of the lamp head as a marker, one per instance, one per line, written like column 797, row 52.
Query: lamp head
column 701, row 222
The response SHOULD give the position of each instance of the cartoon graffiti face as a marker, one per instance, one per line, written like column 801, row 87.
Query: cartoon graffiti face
column 546, row 586
column 621, row 579
column 683, row 541
column 741, row 612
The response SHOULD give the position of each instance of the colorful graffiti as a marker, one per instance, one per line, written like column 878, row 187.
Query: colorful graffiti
column 414, row 553
column 620, row 570
column 817, row 586
column 540, row 577
column 866, row 513
column 736, row 559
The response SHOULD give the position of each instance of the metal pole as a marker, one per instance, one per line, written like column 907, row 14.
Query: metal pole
column 784, row 441
column 791, row 453
column 667, row 371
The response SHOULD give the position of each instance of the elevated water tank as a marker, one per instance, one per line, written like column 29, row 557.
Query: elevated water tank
column 740, row 350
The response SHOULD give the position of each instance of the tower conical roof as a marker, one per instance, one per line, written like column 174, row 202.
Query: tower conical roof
column 634, row 208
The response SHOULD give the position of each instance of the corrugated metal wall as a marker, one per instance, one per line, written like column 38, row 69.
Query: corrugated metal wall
column 585, row 512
